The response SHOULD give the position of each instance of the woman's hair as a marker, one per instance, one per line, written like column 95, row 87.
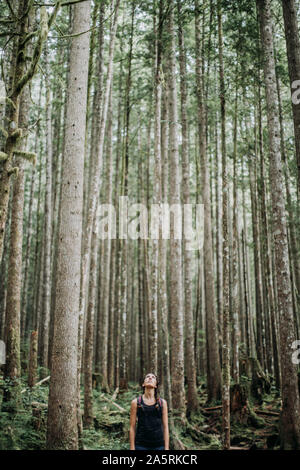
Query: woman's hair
column 156, row 391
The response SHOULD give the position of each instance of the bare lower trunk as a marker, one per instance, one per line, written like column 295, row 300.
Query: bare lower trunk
column 226, row 329
column 192, row 399
column 290, row 416
column 32, row 361
column 47, row 228
column 213, row 360
column 62, row 430
column 177, row 356
column 293, row 52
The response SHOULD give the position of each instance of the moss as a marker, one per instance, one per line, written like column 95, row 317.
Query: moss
column 30, row 156
column 3, row 157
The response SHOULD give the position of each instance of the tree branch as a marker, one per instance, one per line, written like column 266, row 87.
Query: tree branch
column 36, row 53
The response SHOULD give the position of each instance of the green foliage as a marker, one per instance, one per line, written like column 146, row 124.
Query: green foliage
column 21, row 430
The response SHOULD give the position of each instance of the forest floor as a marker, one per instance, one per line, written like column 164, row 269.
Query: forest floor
column 26, row 429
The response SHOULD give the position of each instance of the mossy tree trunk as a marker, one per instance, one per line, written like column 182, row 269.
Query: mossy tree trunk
column 12, row 369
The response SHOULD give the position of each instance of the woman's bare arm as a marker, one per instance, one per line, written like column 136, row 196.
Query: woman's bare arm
column 132, row 423
column 165, row 424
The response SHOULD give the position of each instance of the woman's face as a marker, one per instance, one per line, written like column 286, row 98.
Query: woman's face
column 150, row 381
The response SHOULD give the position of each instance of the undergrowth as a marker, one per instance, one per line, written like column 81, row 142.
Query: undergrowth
column 24, row 431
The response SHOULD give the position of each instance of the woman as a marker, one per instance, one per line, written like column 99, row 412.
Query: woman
column 152, row 413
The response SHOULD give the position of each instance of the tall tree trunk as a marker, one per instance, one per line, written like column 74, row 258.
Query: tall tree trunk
column 163, row 293
column 12, row 368
column 235, row 241
column 106, row 259
column 92, row 203
column 226, row 329
column 290, row 416
column 213, row 359
column 157, row 21
column 88, row 418
column 192, row 399
column 177, row 356
column 62, row 430
column 21, row 77
column 260, row 337
column 293, row 53
column 47, row 226
column 266, row 250
column 124, row 243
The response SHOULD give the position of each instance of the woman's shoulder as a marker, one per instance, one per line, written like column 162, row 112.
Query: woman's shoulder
column 134, row 401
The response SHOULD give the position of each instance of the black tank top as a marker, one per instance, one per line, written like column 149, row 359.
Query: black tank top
column 149, row 428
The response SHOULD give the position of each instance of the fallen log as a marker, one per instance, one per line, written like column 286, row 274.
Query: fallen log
column 266, row 413
column 36, row 404
column 213, row 408
column 113, row 403
column 38, row 383
column 115, row 394
column 38, row 415
column 238, row 448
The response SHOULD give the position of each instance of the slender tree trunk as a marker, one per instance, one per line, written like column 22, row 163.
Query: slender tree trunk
column 156, row 191
column 192, row 399
column 124, row 243
column 260, row 336
column 213, row 360
column 95, row 182
column 21, row 77
column 226, row 329
column 106, row 260
column 266, row 252
column 12, row 368
column 32, row 361
column 235, row 241
column 88, row 418
column 163, row 293
column 47, row 227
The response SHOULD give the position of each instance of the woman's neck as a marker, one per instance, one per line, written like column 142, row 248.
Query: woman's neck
column 149, row 393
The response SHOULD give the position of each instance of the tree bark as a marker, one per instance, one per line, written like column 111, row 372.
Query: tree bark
column 62, row 430
column 226, row 329
column 290, row 416
column 213, row 359
column 177, row 356
column 293, row 53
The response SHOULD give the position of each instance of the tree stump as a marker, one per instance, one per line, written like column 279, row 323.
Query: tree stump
column 32, row 363
column 240, row 409
column 39, row 412
column 259, row 382
column 97, row 377
column 239, row 404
